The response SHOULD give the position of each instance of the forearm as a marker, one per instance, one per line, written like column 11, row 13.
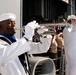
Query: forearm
column 42, row 46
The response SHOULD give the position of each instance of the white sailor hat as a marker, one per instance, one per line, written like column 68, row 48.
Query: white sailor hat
column 70, row 17
column 6, row 16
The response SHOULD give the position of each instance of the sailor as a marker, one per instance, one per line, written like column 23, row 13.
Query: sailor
column 69, row 36
column 9, row 61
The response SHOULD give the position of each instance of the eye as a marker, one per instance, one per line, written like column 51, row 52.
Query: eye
column 9, row 22
column 13, row 22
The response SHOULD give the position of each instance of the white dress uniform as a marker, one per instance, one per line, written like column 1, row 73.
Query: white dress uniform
column 9, row 62
column 69, row 36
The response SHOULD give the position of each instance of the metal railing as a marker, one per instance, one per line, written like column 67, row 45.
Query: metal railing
column 61, row 69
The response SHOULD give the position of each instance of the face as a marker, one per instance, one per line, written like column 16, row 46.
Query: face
column 74, row 21
column 7, row 27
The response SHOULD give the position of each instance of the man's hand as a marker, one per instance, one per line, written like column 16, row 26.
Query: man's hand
column 29, row 29
column 42, row 30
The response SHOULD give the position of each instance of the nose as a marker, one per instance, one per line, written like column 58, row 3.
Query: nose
column 13, row 24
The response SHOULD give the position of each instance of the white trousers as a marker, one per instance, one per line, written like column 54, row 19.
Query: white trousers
column 70, row 62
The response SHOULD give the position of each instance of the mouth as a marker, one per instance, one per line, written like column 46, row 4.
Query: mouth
column 12, row 30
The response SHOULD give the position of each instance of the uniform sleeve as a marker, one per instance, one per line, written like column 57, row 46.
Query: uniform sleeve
column 41, row 47
column 10, row 52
